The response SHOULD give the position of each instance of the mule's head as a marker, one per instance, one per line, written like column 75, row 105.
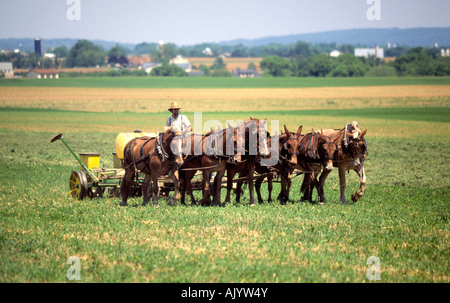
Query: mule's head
column 358, row 148
column 327, row 148
column 355, row 130
column 256, row 137
column 292, row 145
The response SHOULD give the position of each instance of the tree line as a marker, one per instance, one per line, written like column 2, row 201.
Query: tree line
column 296, row 60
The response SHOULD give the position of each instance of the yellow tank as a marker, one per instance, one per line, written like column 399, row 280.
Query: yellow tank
column 123, row 138
column 90, row 160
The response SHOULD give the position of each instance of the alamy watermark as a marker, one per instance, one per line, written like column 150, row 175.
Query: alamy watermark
column 257, row 139
column 374, row 11
column 374, row 271
column 74, row 270
column 74, row 10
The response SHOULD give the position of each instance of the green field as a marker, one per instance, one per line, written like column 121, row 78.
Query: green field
column 210, row 82
column 402, row 219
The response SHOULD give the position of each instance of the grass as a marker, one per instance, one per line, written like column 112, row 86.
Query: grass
column 402, row 218
column 210, row 82
column 406, row 227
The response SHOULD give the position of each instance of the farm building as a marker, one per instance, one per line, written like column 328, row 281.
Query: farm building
column 368, row 52
column 181, row 62
column 246, row 73
column 43, row 73
column 6, row 69
column 147, row 67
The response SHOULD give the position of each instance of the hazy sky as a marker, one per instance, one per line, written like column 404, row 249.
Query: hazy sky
column 187, row 22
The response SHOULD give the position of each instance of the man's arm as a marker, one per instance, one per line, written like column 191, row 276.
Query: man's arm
column 187, row 123
column 168, row 125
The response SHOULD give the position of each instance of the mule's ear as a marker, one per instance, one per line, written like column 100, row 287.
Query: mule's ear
column 363, row 133
column 322, row 136
column 299, row 130
column 350, row 135
column 287, row 131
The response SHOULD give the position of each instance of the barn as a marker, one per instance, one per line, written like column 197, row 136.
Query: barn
column 6, row 69
column 36, row 73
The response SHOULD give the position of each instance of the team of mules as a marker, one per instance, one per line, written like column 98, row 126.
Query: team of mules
column 242, row 151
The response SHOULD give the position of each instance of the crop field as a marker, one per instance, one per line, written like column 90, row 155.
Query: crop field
column 402, row 219
column 232, row 64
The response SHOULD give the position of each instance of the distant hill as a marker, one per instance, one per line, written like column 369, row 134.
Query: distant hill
column 425, row 37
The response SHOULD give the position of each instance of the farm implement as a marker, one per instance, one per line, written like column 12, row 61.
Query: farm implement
column 93, row 181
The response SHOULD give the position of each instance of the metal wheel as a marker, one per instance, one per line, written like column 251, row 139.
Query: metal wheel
column 78, row 185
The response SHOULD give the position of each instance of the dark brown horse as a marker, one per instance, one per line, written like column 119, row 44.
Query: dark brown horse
column 308, row 153
column 308, row 186
column 209, row 153
column 154, row 157
column 350, row 155
column 256, row 146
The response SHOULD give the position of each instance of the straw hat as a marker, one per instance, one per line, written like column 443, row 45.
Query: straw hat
column 174, row 105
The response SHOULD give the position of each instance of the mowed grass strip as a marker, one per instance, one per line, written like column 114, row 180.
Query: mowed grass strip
column 213, row 82
column 387, row 123
column 219, row 100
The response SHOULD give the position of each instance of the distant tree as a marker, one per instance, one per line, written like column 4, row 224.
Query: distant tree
column 18, row 60
column 218, row 64
column 164, row 52
column 85, row 54
column 321, row 65
column 382, row 71
column 347, row 65
column 304, row 49
column 220, row 73
column 442, row 66
column 117, row 51
column 61, row 51
column 48, row 63
column 396, row 51
column 117, row 55
column 276, row 66
column 300, row 66
column 251, row 66
column 145, row 48
column 347, row 48
column 205, row 69
column 168, row 70
column 239, row 53
column 415, row 63
column 34, row 60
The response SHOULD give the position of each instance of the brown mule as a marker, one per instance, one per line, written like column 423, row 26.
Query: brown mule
column 307, row 153
column 206, row 153
column 154, row 157
column 256, row 146
column 350, row 155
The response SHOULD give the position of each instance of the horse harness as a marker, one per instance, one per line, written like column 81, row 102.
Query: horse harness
column 159, row 151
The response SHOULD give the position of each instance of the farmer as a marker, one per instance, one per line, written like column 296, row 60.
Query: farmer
column 177, row 121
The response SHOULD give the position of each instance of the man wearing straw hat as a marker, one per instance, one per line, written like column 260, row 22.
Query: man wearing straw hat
column 177, row 121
